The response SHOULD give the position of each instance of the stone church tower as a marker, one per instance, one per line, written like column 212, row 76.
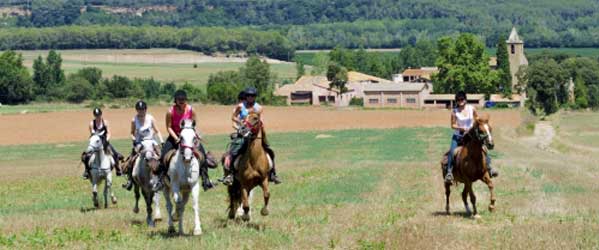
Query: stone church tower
column 515, row 47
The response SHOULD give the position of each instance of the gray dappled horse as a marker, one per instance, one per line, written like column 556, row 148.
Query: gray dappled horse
column 145, row 164
column 100, row 164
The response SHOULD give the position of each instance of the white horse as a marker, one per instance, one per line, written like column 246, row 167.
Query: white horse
column 183, row 172
column 100, row 167
column 142, row 178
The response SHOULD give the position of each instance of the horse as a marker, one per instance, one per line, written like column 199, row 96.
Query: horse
column 470, row 164
column 100, row 164
column 183, row 174
column 145, row 165
column 252, row 169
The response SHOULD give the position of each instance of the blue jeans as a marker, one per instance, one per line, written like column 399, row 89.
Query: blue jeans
column 453, row 146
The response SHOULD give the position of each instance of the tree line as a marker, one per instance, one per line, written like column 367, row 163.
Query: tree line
column 204, row 39
column 317, row 24
column 49, row 83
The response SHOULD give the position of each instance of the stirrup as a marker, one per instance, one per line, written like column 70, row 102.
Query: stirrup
column 228, row 180
column 449, row 178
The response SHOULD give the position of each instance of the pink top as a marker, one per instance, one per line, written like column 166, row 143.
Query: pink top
column 176, row 118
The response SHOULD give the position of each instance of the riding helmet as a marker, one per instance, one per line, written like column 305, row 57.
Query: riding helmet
column 97, row 112
column 241, row 96
column 141, row 105
column 180, row 94
column 250, row 91
column 460, row 94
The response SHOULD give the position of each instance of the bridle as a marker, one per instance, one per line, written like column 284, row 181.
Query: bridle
column 254, row 128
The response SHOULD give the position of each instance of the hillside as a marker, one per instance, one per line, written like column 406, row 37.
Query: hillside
column 314, row 24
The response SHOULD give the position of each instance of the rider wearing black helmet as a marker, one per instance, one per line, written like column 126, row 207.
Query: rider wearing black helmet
column 242, row 110
column 100, row 126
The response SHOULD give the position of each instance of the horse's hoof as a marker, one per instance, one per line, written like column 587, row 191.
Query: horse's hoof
column 114, row 201
column 197, row 231
column 264, row 211
column 105, row 206
column 96, row 204
column 171, row 230
column 476, row 217
column 157, row 218
column 151, row 223
column 245, row 217
column 175, row 216
column 491, row 208
column 136, row 210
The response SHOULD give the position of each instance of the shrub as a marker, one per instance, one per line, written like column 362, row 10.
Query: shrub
column 355, row 101
column 77, row 89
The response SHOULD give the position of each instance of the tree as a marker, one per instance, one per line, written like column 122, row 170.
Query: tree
column 546, row 80
column 41, row 76
column 580, row 94
column 337, row 75
column 16, row 85
column 119, row 86
column 224, row 86
column 92, row 74
column 321, row 61
column 463, row 65
column 77, row 89
column 503, row 68
column 256, row 73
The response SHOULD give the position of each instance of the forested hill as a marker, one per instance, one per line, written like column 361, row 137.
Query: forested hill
column 322, row 23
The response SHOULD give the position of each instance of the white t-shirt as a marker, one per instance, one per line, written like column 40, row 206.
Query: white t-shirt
column 144, row 131
column 465, row 119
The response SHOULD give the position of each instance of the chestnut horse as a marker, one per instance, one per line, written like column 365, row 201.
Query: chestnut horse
column 470, row 164
column 251, row 170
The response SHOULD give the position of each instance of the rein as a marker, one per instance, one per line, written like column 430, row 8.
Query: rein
column 254, row 128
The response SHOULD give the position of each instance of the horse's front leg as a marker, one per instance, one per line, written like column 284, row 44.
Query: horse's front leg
column 178, row 200
column 156, row 199
column 245, row 204
column 181, row 210
column 106, row 191
column 195, row 192
column 95, row 190
column 136, row 191
column 473, row 201
column 447, row 193
column 266, row 193
column 109, row 183
column 465, row 198
column 487, row 180
column 169, row 209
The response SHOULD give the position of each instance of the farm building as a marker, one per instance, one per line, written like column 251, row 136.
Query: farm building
column 513, row 101
column 423, row 74
column 408, row 95
column 447, row 100
column 314, row 90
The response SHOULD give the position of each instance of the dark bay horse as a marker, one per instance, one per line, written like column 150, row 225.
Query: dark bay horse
column 252, row 170
column 470, row 164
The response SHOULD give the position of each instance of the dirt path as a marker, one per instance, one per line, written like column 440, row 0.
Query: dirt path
column 69, row 126
column 542, row 136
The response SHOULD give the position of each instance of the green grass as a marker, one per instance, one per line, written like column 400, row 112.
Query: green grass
column 39, row 108
column 173, row 71
column 358, row 189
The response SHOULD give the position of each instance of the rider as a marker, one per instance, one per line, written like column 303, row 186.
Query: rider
column 462, row 119
column 143, row 127
column 100, row 126
column 247, row 105
column 178, row 112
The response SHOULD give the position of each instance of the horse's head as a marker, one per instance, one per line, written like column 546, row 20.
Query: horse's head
column 253, row 123
column 483, row 131
column 188, row 140
column 95, row 143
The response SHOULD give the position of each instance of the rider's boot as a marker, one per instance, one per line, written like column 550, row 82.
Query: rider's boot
column 492, row 171
column 84, row 159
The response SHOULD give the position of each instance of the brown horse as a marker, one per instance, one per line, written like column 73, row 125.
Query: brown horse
column 470, row 164
column 251, row 170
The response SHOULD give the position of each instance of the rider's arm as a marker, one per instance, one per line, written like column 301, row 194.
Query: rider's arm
column 91, row 128
column 133, row 130
column 157, row 131
column 474, row 113
column 235, row 117
column 169, row 128
column 108, row 134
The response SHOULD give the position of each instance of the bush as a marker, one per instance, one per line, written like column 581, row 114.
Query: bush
column 194, row 93
column 77, row 89
column 223, row 87
column 355, row 101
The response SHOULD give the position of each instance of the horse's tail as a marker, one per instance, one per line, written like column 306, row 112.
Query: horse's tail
column 234, row 196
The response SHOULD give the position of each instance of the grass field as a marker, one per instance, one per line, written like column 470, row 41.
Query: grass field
column 352, row 189
column 166, row 65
